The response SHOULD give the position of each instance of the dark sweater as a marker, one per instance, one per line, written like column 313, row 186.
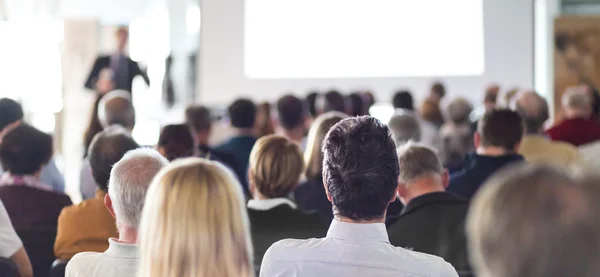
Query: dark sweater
column 32, row 208
column 282, row 222
column 467, row 182
column 239, row 149
column 311, row 197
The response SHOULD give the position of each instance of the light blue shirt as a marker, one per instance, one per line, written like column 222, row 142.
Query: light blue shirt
column 350, row 250
column 51, row 176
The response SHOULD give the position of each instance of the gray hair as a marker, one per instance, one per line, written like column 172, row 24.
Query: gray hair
column 129, row 181
column 576, row 98
column 404, row 127
column 116, row 108
column 459, row 110
column 417, row 160
column 533, row 108
column 536, row 221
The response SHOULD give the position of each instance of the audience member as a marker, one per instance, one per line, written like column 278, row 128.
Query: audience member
column 356, row 104
column 264, row 122
column 361, row 176
column 535, row 147
column 331, row 101
column 94, row 127
column 497, row 140
column 311, row 101
column 88, row 226
column 11, row 116
column 194, row 223
column 430, row 112
column 509, row 97
column 29, row 201
column 198, row 119
column 129, row 180
column 292, row 116
column 490, row 98
column 403, row 100
column 242, row 114
column 276, row 166
column 369, row 99
column 11, row 246
column 579, row 127
column 310, row 194
column 176, row 141
column 437, row 92
column 433, row 221
column 429, row 133
column 404, row 127
column 456, row 135
column 536, row 221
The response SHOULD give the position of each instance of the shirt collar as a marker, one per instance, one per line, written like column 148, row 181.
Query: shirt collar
column 267, row 204
column 8, row 179
column 431, row 198
column 122, row 250
column 368, row 232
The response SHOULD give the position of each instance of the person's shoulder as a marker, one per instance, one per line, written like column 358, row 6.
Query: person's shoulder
column 80, row 263
column 78, row 209
column 292, row 247
column 423, row 260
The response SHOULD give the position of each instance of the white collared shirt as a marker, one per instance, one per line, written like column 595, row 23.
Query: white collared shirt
column 350, row 250
column 267, row 204
column 120, row 260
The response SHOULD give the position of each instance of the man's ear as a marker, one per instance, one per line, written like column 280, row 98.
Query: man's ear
column 327, row 190
column 477, row 139
column 446, row 178
column 109, row 205
column 401, row 193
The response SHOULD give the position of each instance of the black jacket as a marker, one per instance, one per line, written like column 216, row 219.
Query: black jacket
column 102, row 62
column 311, row 197
column 434, row 223
column 282, row 222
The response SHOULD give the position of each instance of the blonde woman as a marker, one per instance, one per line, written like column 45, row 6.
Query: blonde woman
column 310, row 195
column 276, row 166
column 194, row 223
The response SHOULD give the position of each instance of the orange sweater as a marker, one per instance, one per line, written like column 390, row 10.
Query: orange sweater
column 84, row 227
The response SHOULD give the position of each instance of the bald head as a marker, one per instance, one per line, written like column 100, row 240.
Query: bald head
column 533, row 109
column 577, row 102
column 115, row 108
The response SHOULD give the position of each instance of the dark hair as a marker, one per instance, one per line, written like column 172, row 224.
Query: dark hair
column 263, row 124
column 334, row 101
column 176, row 142
column 94, row 127
column 290, row 111
column 311, row 101
column 10, row 112
column 360, row 167
column 403, row 100
column 356, row 104
column 242, row 113
column 107, row 148
column 500, row 128
column 198, row 118
column 439, row 89
column 25, row 149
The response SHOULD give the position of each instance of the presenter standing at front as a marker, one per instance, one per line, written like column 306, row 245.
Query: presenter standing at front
column 115, row 71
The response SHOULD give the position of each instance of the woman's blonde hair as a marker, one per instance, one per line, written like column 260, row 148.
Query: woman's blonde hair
column 313, row 155
column 194, row 223
column 276, row 166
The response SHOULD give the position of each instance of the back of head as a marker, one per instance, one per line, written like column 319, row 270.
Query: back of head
column 276, row 166
column 536, row 221
column 242, row 113
column 416, row 161
column 500, row 128
column 457, row 142
column 360, row 168
column 24, row 150
column 438, row 89
column 533, row 109
column 430, row 111
column 107, row 148
column 576, row 101
column 459, row 110
column 311, row 101
column 313, row 155
column 10, row 112
column 333, row 101
column 356, row 104
column 116, row 108
column 403, row 100
column 291, row 112
column 198, row 118
column 404, row 127
column 490, row 97
column 176, row 141
column 263, row 124
column 129, row 181
column 194, row 223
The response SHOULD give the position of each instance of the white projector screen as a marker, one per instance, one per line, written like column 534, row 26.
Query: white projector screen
column 362, row 38
column 263, row 49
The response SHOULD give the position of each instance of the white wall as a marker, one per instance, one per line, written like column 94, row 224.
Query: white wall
column 508, row 38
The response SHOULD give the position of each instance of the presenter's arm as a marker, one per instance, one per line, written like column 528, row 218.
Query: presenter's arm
column 90, row 83
column 141, row 72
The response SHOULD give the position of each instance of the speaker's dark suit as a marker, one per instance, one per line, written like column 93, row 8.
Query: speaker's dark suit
column 124, row 70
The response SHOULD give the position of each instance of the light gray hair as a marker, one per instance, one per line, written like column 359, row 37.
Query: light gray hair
column 576, row 98
column 459, row 110
column 404, row 127
column 129, row 181
column 417, row 160
column 116, row 108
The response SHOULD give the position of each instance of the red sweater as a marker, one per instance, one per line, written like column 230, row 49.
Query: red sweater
column 577, row 131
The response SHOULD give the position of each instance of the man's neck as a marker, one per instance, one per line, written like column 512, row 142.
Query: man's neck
column 493, row 151
column 421, row 187
column 240, row 132
column 573, row 114
column 128, row 235
column 296, row 134
column 360, row 221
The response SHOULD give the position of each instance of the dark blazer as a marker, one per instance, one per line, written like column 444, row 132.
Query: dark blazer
column 434, row 223
column 311, row 197
column 466, row 182
column 32, row 208
column 282, row 222
column 239, row 148
column 102, row 62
